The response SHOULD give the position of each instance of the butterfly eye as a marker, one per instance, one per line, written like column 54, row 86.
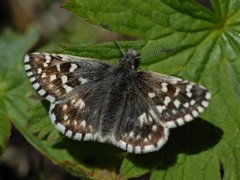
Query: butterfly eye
column 136, row 62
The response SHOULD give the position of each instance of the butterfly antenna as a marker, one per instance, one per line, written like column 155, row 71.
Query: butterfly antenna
column 114, row 37
column 155, row 53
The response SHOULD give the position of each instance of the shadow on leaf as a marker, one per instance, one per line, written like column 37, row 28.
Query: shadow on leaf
column 92, row 154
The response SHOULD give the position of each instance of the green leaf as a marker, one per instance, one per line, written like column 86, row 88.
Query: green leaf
column 12, row 87
column 5, row 132
column 206, row 46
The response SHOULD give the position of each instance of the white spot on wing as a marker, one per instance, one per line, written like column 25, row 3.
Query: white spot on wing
column 130, row 148
column 48, row 58
column 189, row 87
column 26, row 59
column 58, row 67
column 180, row 121
column 150, row 119
column 53, row 118
column 39, row 70
column 188, row 117
column 74, row 122
column 189, row 94
column 142, row 118
column 82, row 80
column 73, row 101
column 164, row 87
column 65, row 117
column 53, row 77
column 27, row 66
column 161, row 142
column 80, row 103
column 186, row 105
column 61, row 128
column 148, row 148
column 65, row 107
column 83, row 124
column 160, row 108
column 69, row 133
column 171, row 124
column 149, row 136
column 152, row 95
column 41, row 92
column 122, row 144
column 43, row 75
column 192, row 102
column 50, row 98
column 138, row 137
column 154, row 128
column 77, row 136
column 177, row 92
column 205, row 103
column 73, row 67
column 200, row 109
column 32, row 79
column 29, row 73
column 131, row 134
column 36, row 85
column 67, row 88
column 88, row 136
column 138, row 149
column 208, row 95
column 177, row 103
column 194, row 113
column 64, row 79
column 167, row 100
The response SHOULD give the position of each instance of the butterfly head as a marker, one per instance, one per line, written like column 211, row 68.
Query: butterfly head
column 130, row 59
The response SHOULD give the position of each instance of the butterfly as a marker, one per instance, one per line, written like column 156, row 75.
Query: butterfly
column 117, row 104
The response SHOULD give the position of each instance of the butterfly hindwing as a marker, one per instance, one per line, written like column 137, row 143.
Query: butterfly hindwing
column 139, row 130
column 79, row 116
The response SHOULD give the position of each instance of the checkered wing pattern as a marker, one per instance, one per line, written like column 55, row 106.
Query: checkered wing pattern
column 56, row 76
column 158, row 102
column 66, row 81
column 176, row 101
column 78, row 117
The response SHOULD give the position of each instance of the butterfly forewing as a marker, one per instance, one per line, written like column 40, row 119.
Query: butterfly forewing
column 57, row 76
column 175, row 101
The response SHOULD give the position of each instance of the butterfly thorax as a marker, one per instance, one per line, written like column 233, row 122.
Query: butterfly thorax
column 120, row 82
column 130, row 59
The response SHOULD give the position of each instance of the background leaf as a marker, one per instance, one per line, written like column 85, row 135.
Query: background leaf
column 5, row 132
column 12, row 88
